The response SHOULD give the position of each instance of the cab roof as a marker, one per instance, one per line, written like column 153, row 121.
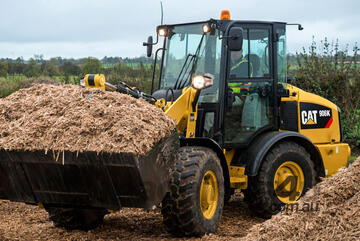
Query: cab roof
column 226, row 22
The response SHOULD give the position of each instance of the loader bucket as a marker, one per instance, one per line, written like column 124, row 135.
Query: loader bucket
column 88, row 179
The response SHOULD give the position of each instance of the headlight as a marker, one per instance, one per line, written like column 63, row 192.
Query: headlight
column 202, row 81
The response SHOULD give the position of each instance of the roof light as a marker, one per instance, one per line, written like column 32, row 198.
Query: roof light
column 225, row 15
column 162, row 31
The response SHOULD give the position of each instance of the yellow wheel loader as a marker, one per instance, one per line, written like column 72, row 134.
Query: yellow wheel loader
column 240, row 125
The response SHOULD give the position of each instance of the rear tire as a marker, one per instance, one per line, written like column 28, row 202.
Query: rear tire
column 194, row 204
column 261, row 196
column 71, row 218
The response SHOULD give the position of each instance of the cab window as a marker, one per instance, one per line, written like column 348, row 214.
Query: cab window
column 253, row 60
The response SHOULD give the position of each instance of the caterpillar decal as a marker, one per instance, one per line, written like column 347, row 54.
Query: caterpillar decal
column 313, row 116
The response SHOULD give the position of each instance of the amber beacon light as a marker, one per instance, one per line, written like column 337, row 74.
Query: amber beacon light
column 225, row 15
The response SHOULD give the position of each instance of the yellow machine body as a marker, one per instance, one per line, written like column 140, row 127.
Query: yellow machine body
column 327, row 139
column 95, row 81
column 326, row 135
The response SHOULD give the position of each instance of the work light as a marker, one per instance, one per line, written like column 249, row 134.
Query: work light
column 162, row 32
column 206, row 28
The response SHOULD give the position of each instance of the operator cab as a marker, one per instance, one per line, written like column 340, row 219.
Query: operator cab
column 247, row 60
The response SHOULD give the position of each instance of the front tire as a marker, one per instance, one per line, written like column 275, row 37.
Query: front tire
column 194, row 204
column 285, row 175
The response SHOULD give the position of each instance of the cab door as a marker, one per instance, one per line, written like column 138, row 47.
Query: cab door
column 250, row 79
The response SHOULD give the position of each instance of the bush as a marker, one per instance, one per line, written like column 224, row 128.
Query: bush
column 138, row 76
column 335, row 75
column 70, row 69
column 92, row 66
column 3, row 69
column 49, row 69
column 13, row 83
column 32, row 69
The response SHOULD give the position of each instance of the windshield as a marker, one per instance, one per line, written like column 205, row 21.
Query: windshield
column 183, row 44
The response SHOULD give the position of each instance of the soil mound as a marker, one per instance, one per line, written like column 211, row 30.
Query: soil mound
column 72, row 118
column 335, row 213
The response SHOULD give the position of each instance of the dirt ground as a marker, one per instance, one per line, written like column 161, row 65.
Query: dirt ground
column 25, row 222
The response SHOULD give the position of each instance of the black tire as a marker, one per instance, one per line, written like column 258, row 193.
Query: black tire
column 181, row 210
column 71, row 218
column 260, row 194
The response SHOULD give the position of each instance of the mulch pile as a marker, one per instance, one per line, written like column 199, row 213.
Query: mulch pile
column 337, row 216
column 72, row 118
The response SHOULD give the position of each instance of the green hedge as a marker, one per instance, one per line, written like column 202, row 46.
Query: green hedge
column 334, row 74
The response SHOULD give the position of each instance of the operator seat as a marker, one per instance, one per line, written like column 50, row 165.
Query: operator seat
column 255, row 112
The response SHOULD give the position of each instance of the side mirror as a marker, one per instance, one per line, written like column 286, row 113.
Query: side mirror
column 149, row 46
column 235, row 39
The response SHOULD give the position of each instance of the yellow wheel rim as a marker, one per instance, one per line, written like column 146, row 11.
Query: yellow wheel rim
column 209, row 195
column 289, row 182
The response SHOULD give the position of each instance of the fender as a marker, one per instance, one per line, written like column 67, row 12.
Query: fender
column 213, row 145
column 263, row 143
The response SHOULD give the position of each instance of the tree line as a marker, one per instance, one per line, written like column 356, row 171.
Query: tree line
column 37, row 66
column 133, row 71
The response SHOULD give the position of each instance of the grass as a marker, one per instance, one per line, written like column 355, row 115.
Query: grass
column 352, row 159
column 12, row 83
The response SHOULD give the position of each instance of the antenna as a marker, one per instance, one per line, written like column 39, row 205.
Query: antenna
column 162, row 13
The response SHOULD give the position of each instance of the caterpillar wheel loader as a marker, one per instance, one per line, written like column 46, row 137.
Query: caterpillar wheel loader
column 240, row 125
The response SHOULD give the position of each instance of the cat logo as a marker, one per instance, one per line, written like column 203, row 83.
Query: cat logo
column 314, row 116
column 309, row 117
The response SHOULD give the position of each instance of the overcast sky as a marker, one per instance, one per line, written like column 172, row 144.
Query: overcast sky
column 82, row 28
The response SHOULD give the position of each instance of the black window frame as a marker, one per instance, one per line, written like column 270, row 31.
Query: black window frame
column 271, row 62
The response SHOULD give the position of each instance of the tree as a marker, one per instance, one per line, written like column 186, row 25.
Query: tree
column 20, row 60
column 92, row 66
column 49, row 69
column 16, row 68
column 39, row 58
column 70, row 69
column 32, row 69
column 3, row 69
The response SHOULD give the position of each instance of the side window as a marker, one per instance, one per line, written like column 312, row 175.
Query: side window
column 253, row 60
column 209, row 62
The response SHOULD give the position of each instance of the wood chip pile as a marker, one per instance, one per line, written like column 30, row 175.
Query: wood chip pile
column 335, row 214
column 68, row 117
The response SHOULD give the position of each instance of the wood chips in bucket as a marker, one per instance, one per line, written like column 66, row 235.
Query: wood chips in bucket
column 69, row 117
